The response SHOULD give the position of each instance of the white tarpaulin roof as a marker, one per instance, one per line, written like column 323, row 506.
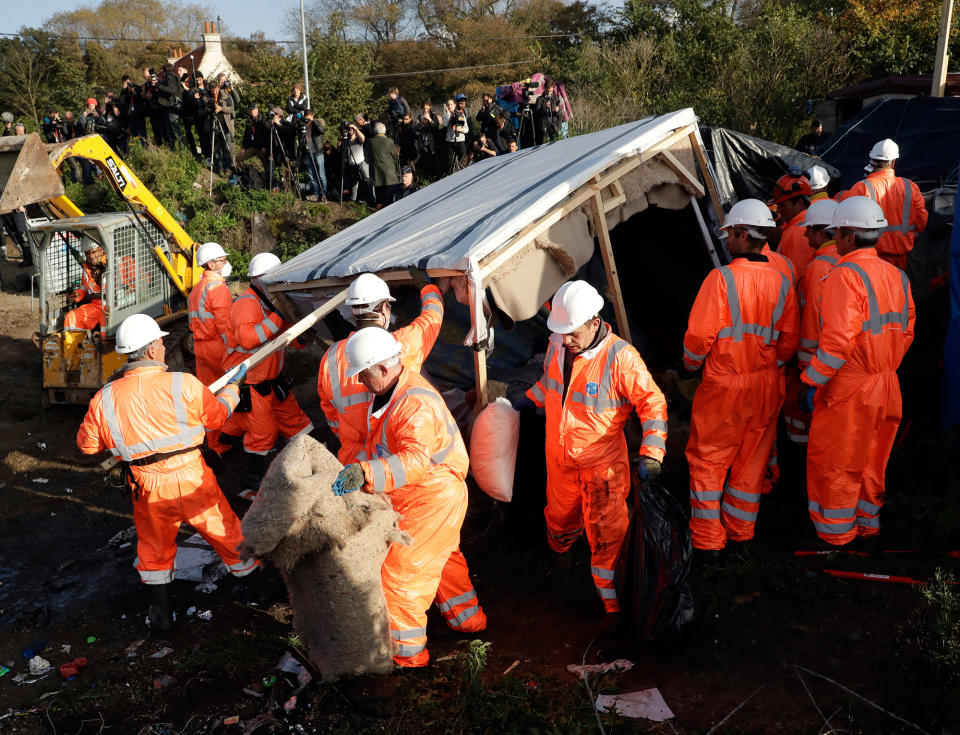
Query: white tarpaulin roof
column 465, row 216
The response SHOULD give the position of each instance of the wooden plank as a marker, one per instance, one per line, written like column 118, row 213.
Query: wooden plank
column 610, row 265
column 596, row 185
column 680, row 170
column 701, row 156
column 619, row 197
column 479, row 361
column 330, row 282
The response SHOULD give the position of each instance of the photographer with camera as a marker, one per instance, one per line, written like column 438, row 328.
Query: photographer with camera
column 131, row 109
column 483, row 148
column 297, row 103
column 312, row 132
column 188, row 116
column 397, row 107
column 281, row 146
column 90, row 117
column 354, row 163
column 111, row 128
column 406, row 187
column 223, row 81
column 457, row 121
column 52, row 127
column 487, row 116
column 150, row 95
column 427, row 127
column 407, row 141
column 199, row 97
column 256, row 138
column 169, row 97
column 546, row 113
column 221, row 110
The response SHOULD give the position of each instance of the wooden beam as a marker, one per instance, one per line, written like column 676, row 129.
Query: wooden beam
column 680, row 170
column 610, row 265
column 701, row 156
column 332, row 282
column 479, row 361
column 596, row 185
column 618, row 198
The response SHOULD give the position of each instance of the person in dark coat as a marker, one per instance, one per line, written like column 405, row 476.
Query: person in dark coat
column 384, row 161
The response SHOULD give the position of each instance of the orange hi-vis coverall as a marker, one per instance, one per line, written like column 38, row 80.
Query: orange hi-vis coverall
column 155, row 421
column 902, row 203
column 345, row 401
column 209, row 305
column 252, row 325
column 794, row 246
column 867, row 315
column 87, row 315
column 781, row 263
column 744, row 325
column 796, row 417
column 418, row 459
column 588, row 470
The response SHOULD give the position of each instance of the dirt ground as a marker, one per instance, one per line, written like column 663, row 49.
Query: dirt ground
column 776, row 645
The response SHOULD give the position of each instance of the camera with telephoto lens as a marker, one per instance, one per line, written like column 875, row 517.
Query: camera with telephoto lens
column 528, row 91
column 345, row 126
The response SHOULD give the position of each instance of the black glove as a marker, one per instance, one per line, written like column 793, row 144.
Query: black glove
column 420, row 277
column 349, row 479
column 648, row 469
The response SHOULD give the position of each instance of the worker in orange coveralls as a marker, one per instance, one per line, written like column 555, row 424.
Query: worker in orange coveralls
column 273, row 408
column 418, row 459
column 345, row 400
column 900, row 199
column 209, row 312
column 154, row 423
column 591, row 381
column 791, row 195
column 88, row 313
column 851, row 381
column 743, row 327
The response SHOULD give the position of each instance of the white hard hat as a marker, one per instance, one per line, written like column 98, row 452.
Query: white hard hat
column 260, row 264
column 209, row 251
column 859, row 212
column 819, row 178
column 369, row 346
column 136, row 332
column 820, row 213
column 574, row 304
column 368, row 288
column 885, row 150
column 86, row 245
column 748, row 213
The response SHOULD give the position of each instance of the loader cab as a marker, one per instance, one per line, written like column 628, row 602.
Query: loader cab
column 77, row 362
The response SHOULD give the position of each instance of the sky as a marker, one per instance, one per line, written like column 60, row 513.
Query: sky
column 243, row 17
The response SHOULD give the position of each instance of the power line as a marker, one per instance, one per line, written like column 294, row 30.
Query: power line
column 115, row 39
column 440, row 71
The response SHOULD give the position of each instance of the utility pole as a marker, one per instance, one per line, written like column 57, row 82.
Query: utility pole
column 940, row 66
column 303, row 40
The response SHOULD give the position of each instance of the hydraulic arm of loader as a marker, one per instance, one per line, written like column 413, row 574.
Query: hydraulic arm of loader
column 29, row 175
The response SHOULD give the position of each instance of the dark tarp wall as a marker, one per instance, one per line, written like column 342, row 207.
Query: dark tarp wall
column 925, row 128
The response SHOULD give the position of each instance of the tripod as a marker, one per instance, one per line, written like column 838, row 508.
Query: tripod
column 306, row 153
column 344, row 150
column 217, row 127
column 275, row 136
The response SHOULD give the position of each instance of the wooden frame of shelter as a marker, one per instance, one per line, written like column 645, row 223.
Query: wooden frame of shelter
column 603, row 193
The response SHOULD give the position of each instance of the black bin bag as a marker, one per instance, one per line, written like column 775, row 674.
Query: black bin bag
column 655, row 565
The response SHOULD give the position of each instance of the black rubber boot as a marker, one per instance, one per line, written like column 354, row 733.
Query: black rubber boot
column 253, row 469
column 160, row 619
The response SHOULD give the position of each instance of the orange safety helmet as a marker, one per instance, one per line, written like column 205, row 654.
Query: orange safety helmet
column 789, row 186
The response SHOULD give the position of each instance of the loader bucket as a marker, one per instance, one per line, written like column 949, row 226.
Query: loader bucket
column 26, row 174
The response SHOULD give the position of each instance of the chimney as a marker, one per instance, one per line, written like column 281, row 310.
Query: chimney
column 206, row 26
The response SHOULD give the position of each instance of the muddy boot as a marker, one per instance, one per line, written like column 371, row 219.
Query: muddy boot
column 253, row 468
column 160, row 618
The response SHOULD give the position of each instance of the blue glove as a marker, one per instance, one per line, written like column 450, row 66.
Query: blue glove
column 349, row 479
column 240, row 376
column 648, row 469
column 807, row 392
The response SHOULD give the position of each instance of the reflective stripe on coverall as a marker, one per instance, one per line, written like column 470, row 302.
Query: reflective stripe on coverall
column 797, row 419
column 588, row 470
column 902, row 203
column 420, row 462
column 743, row 326
column 794, row 246
column 251, row 327
column 345, row 401
column 89, row 315
column 867, row 318
column 149, row 412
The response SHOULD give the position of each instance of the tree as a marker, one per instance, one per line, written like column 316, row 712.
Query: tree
column 39, row 71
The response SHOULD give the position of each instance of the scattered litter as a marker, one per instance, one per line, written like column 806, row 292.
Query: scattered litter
column 621, row 664
column 647, row 704
column 4, row 670
column 25, row 678
column 68, row 490
column 33, row 649
column 41, row 480
column 511, row 667
column 134, row 646
column 248, row 494
column 91, row 639
column 448, row 657
column 38, row 665
column 232, row 720
column 252, row 693
column 191, row 610
column 165, row 651
column 125, row 545
column 205, row 587
column 42, row 446
column 52, row 514
column 125, row 535
column 47, row 695
column 205, row 615
column 269, row 681
column 290, row 704
column 65, row 648
column 70, row 670
column 291, row 665
column 163, row 682
column 123, row 617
